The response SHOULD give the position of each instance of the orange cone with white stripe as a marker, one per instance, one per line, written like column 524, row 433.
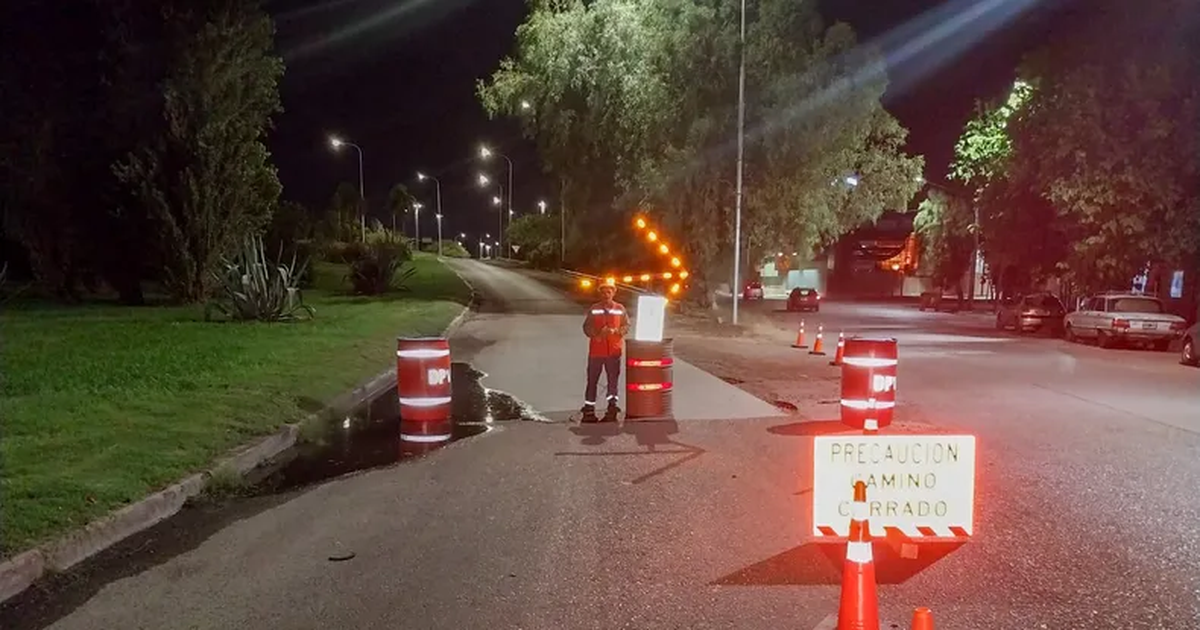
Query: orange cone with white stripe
column 841, row 350
column 859, row 608
column 922, row 619
column 819, row 344
column 800, row 337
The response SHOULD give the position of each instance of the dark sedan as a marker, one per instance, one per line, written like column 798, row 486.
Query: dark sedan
column 1035, row 312
column 804, row 300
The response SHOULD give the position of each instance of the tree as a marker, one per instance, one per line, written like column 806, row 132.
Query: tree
column 340, row 222
column 537, row 237
column 399, row 201
column 1083, row 172
column 943, row 225
column 290, row 223
column 620, row 116
column 205, row 177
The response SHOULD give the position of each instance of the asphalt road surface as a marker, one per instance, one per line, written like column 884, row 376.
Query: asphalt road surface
column 1087, row 510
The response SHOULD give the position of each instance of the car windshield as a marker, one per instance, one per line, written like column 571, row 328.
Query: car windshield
column 1135, row 305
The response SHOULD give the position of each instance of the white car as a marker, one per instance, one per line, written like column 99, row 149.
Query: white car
column 1124, row 318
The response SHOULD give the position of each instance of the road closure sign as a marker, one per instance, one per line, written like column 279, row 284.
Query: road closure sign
column 921, row 485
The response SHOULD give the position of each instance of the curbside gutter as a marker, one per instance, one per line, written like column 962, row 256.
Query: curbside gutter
column 21, row 571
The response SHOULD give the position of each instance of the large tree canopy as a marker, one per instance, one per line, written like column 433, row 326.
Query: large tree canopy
column 1092, row 168
column 633, row 103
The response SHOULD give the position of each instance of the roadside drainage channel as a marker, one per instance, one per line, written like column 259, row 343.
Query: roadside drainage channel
column 371, row 436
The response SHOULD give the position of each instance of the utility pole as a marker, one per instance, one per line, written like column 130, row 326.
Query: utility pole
column 974, row 258
column 741, row 124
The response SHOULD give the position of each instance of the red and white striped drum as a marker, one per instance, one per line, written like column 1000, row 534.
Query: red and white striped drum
column 418, row 438
column 423, row 378
column 869, row 382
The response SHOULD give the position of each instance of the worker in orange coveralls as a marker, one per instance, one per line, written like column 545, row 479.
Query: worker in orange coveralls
column 606, row 325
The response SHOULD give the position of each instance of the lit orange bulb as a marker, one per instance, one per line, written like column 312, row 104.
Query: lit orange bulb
column 610, row 281
column 674, row 288
column 627, row 279
column 585, row 283
column 664, row 249
column 640, row 223
column 675, row 262
column 645, row 277
column 652, row 235
column 667, row 276
column 683, row 275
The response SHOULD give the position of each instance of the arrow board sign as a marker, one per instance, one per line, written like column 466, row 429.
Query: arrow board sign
column 922, row 486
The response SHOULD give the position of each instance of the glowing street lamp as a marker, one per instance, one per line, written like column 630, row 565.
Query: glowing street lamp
column 437, row 186
column 337, row 143
column 486, row 153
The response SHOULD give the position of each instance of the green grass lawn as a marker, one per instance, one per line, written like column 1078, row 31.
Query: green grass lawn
column 103, row 404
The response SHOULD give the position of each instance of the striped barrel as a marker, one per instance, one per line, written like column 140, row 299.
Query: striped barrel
column 869, row 382
column 649, row 378
column 423, row 378
column 418, row 438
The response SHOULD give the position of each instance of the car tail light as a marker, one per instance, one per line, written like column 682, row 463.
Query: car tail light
column 1120, row 323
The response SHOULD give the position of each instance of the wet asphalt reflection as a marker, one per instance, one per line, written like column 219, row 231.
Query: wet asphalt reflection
column 371, row 436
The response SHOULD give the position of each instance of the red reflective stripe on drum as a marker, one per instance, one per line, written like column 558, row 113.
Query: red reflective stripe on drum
column 425, row 353
column 650, row 362
column 868, row 404
column 648, row 387
column 870, row 361
column 826, row 530
column 428, row 401
column 958, row 531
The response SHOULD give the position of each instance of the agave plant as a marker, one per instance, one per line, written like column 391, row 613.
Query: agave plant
column 251, row 288
column 381, row 267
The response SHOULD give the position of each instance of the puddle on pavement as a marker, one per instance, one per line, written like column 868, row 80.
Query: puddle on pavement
column 371, row 436
column 375, row 435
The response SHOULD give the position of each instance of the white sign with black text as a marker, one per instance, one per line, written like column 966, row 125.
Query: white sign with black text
column 921, row 485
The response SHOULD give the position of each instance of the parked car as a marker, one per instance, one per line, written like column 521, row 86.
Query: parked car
column 1034, row 312
column 804, row 300
column 1188, row 354
column 753, row 291
column 1124, row 318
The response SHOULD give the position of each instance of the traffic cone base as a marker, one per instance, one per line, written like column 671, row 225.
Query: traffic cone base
column 858, row 605
column 819, row 344
column 841, row 350
column 922, row 619
column 800, row 338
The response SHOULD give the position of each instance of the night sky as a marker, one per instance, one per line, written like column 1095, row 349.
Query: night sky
column 398, row 78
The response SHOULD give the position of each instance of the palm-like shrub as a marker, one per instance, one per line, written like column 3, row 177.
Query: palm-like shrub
column 249, row 287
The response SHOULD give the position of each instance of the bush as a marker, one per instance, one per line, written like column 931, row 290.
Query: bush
column 454, row 249
column 380, row 267
column 251, row 288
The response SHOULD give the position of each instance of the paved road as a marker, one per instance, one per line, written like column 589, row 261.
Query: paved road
column 1088, row 514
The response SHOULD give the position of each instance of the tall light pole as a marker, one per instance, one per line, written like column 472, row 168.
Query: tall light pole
column 484, row 181
column 486, row 153
column 741, row 125
column 437, row 187
column 338, row 143
column 417, row 223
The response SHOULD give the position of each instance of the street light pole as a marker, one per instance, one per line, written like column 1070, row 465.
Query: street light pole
column 417, row 224
column 437, row 189
column 337, row 143
column 741, row 124
column 485, row 153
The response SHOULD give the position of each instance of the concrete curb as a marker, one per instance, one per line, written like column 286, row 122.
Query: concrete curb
column 22, row 570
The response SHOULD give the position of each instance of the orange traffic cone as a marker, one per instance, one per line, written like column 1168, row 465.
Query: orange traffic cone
column 800, row 337
column 819, row 344
column 841, row 350
column 922, row 619
column 859, row 607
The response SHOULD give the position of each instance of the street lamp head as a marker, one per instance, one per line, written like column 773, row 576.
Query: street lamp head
column 421, row 176
column 496, row 201
column 510, row 213
column 483, row 180
column 418, row 206
column 336, row 142
column 542, row 206
column 439, row 216
column 485, row 152
column 525, row 105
